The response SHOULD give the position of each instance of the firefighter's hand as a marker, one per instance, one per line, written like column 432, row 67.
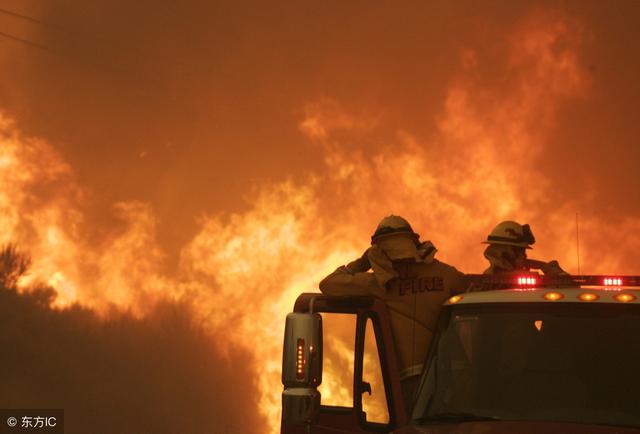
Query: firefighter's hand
column 553, row 268
column 361, row 264
column 381, row 265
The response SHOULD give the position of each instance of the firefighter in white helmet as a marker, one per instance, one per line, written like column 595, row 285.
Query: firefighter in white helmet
column 413, row 285
column 506, row 250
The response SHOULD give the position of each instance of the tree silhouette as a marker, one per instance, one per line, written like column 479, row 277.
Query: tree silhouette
column 13, row 264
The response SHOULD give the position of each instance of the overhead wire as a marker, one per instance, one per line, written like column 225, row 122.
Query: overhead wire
column 144, row 80
column 109, row 67
column 25, row 41
column 26, row 18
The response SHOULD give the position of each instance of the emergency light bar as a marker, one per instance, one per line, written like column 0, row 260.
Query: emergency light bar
column 530, row 281
column 608, row 281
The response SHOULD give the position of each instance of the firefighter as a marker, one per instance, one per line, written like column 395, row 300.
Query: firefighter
column 506, row 251
column 413, row 285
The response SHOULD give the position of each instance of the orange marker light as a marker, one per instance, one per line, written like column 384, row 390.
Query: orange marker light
column 538, row 325
column 588, row 296
column 300, row 361
column 455, row 299
column 553, row 296
column 624, row 298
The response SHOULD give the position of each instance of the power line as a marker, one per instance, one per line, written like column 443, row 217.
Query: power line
column 57, row 28
column 27, row 42
column 25, row 17
column 93, row 63
column 90, row 63
column 87, row 62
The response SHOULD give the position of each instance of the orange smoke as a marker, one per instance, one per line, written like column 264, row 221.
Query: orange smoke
column 243, row 271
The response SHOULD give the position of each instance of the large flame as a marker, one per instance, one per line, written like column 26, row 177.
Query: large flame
column 243, row 271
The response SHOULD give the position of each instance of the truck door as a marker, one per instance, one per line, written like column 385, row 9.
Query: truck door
column 360, row 391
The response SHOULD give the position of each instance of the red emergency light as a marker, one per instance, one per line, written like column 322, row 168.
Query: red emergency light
column 612, row 281
column 527, row 281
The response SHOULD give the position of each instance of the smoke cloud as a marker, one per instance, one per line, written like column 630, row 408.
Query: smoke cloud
column 186, row 107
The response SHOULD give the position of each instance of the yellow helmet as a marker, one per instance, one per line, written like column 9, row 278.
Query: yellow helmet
column 392, row 225
column 510, row 233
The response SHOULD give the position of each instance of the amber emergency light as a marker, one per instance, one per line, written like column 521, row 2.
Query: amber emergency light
column 300, row 360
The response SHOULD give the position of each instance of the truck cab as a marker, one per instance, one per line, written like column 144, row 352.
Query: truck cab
column 523, row 354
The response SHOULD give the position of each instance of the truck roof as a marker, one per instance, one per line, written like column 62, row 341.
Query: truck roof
column 574, row 294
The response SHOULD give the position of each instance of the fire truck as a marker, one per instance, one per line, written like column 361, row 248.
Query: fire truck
column 515, row 354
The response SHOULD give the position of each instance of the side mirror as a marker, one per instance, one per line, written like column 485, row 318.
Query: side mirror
column 301, row 368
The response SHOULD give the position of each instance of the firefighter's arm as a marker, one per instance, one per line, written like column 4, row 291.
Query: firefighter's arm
column 354, row 278
column 460, row 282
column 548, row 268
column 344, row 282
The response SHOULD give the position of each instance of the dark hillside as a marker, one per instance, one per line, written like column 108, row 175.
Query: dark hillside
column 161, row 374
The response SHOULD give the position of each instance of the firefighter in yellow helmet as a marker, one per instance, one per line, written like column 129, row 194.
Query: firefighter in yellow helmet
column 413, row 285
column 506, row 250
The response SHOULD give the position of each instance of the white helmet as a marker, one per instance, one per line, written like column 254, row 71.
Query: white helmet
column 392, row 225
column 396, row 238
column 511, row 233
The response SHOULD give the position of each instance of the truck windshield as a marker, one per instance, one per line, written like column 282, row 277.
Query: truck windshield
column 564, row 362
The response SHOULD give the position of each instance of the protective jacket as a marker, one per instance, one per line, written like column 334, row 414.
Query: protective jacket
column 413, row 290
